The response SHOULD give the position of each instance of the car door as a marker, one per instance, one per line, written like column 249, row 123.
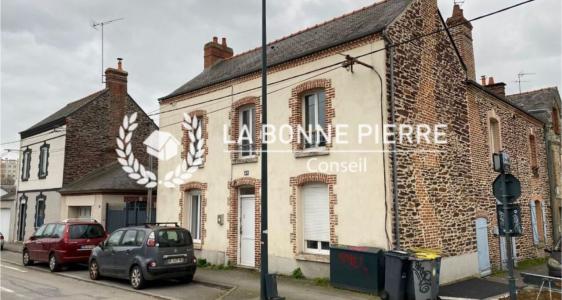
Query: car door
column 33, row 243
column 106, row 257
column 124, row 253
column 44, row 243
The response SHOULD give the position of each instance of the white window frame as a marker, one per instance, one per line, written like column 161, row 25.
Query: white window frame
column 195, row 235
column 318, row 128
column 318, row 250
column 251, row 109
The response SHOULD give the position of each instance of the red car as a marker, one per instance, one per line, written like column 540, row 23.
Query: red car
column 69, row 241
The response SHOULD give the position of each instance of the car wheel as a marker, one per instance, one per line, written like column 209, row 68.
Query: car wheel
column 188, row 278
column 136, row 278
column 94, row 270
column 54, row 265
column 26, row 260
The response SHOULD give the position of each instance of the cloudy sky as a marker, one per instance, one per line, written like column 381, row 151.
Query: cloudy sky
column 50, row 55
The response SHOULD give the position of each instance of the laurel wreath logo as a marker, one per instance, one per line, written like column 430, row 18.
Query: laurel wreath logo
column 137, row 171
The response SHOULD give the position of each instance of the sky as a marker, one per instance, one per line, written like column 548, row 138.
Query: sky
column 51, row 55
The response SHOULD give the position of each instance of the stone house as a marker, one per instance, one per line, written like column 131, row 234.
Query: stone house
column 545, row 105
column 68, row 147
column 363, row 192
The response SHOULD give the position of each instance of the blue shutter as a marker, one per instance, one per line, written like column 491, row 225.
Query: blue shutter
column 544, row 220
column 534, row 223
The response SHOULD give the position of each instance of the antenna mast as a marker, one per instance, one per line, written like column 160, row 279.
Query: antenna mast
column 520, row 80
column 95, row 25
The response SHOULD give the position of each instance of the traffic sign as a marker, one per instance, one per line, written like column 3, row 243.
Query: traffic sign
column 513, row 188
column 514, row 213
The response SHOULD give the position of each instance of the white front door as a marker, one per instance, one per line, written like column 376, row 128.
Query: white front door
column 482, row 246
column 247, row 230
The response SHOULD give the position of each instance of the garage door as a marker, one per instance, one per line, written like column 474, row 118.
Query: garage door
column 5, row 222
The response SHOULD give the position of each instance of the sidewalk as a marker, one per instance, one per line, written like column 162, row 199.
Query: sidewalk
column 245, row 283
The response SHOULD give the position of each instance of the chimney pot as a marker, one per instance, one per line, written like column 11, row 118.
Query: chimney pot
column 224, row 41
column 491, row 81
column 120, row 64
column 483, row 79
column 215, row 39
column 214, row 52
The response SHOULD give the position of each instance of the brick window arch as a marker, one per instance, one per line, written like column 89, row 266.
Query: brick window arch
column 202, row 117
column 296, row 184
column 297, row 112
column 185, row 207
column 232, row 218
column 236, row 150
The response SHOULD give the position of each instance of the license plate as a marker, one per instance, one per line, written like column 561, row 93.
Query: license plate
column 178, row 260
column 87, row 247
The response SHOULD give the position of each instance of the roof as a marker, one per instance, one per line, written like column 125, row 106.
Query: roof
column 355, row 25
column 108, row 179
column 539, row 103
column 9, row 193
column 58, row 118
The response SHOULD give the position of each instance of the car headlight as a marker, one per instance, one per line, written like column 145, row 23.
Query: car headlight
column 553, row 263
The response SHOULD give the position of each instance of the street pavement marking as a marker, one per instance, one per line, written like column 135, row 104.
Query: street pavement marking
column 12, row 268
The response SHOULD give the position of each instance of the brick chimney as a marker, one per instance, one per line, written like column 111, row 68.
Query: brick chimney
column 496, row 88
column 116, row 79
column 214, row 52
column 462, row 35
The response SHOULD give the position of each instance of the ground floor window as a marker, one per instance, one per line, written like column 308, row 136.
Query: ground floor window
column 40, row 210
column 80, row 212
column 21, row 218
column 194, row 200
column 315, row 218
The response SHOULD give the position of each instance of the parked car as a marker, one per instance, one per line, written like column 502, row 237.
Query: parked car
column 1, row 241
column 554, row 262
column 142, row 253
column 68, row 241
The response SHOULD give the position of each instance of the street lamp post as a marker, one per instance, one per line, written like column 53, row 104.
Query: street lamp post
column 264, row 269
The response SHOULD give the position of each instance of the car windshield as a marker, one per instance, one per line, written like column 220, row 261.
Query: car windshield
column 173, row 238
column 86, row 231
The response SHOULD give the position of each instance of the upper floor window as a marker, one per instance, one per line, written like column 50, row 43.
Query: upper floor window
column 315, row 218
column 495, row 136
column 25, row 164
column 43, row 161
column 555, row 120
column 538, row 215
column 314, row 121
column 247, row 131
column 533, row 154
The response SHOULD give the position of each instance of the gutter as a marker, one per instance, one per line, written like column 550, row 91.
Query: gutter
column 394, row 158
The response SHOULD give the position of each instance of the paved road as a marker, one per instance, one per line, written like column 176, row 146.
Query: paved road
column 19, row 282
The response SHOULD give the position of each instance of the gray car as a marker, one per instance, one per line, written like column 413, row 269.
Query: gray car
column 142, row 253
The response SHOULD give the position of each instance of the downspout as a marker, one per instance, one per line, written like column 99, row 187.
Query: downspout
column 394, row 159
column 551, row 183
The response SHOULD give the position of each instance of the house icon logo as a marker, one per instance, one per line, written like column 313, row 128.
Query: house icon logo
column 162, row 145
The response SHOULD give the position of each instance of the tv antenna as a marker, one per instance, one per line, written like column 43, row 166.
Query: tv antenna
column 95, row 25
column 520, row 80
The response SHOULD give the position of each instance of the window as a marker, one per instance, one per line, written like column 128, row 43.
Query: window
column 86, row 231
column 314, row 119
column 316, row 219
column 537, row 221
column 173, row 238
column 22, row 217
column 195, row 214
column 533, row 154
column 140, row 238
column 43, row 161
column 40, row 210
column 49, row 230
column 495, row 136
column 115, row 238
column 129, row 239
column 59, row 231
column 25, row 164
column 40, row 231
column 555, row 121
column 247, row 131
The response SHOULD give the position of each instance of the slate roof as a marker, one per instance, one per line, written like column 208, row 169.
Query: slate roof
column 349, row 27
column 536, row 102
column 110, row 178
column 57, row 118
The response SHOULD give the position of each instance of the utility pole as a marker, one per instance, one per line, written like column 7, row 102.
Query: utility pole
column 264, row 264
column 95, row 25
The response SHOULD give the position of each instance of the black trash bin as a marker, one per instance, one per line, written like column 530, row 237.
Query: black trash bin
column 357, row 268
column 423, row 283
column 397, row 270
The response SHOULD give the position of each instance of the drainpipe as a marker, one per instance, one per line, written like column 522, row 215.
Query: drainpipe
column 393, row 156
column 551, row 184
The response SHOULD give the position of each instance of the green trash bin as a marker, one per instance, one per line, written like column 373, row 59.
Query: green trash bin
column 357, row 268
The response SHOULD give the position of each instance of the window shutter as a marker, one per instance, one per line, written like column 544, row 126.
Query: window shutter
column 534, row 223
column 316, row 223
column 544, row 221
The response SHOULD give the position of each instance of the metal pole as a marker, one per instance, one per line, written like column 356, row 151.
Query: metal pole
column 102, row 53
column 508, row 244
column 149, row 196
column 264, row 259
